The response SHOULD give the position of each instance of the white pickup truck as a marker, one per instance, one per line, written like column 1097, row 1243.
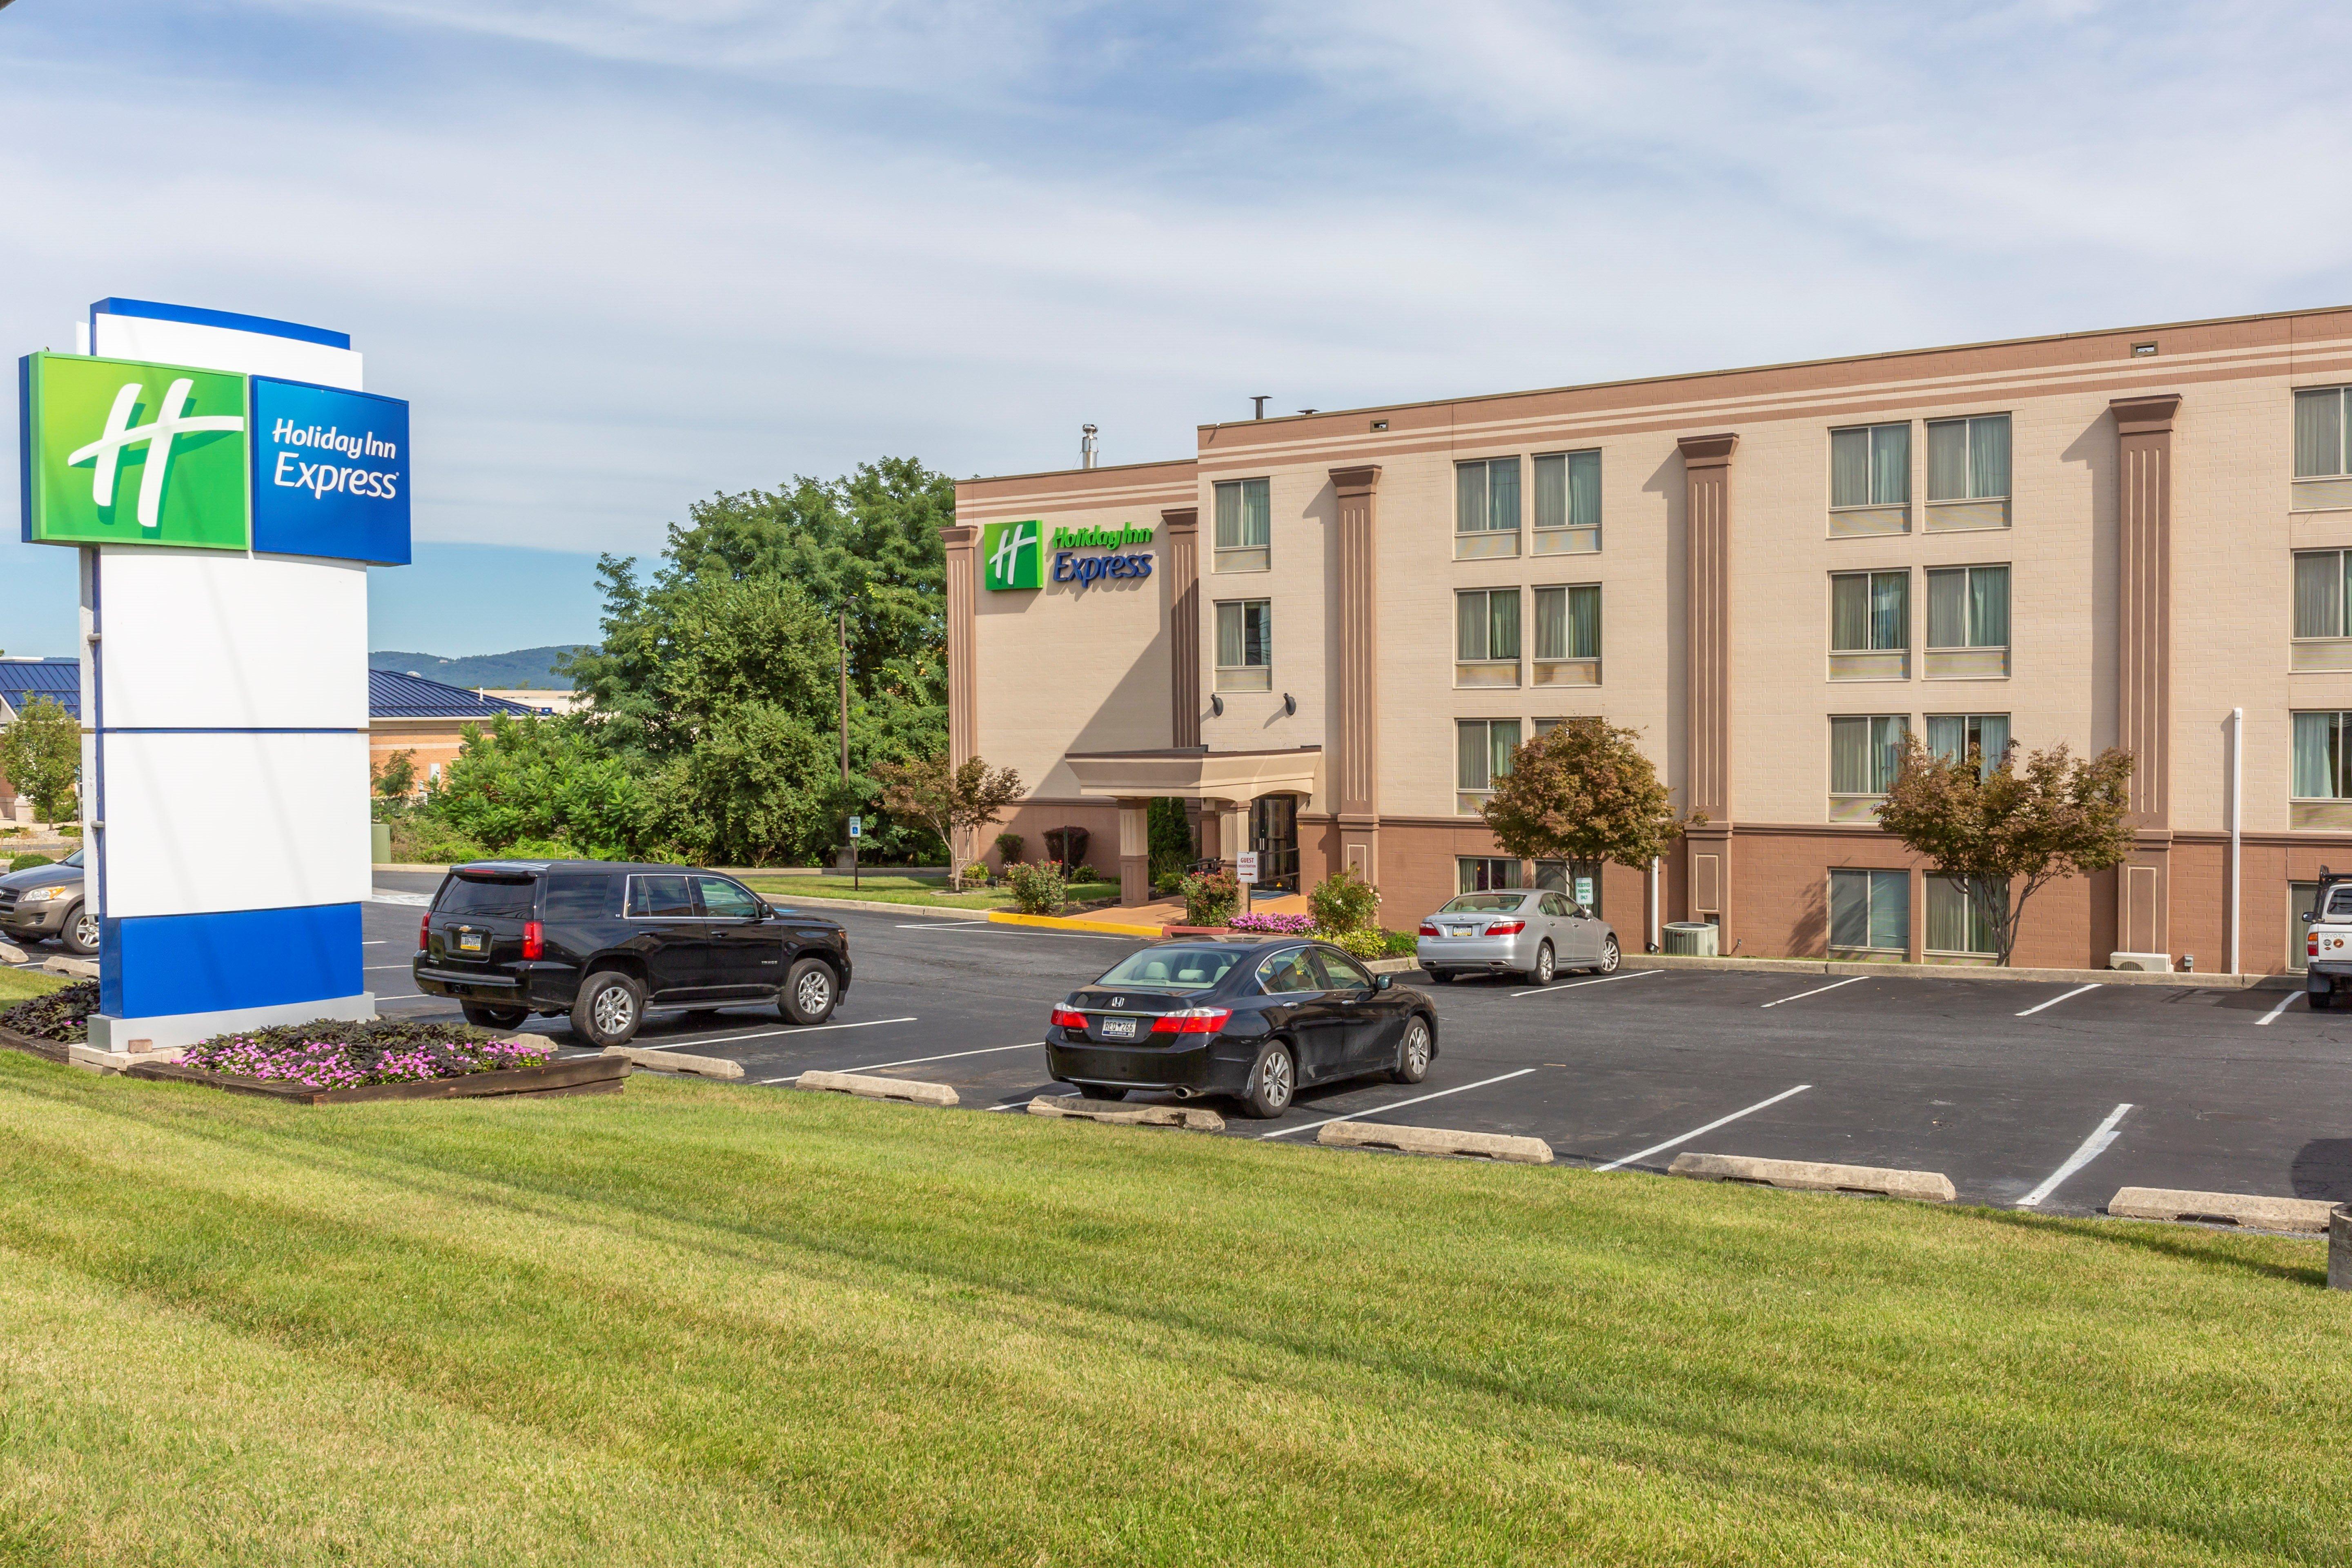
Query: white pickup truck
column 2328, row 944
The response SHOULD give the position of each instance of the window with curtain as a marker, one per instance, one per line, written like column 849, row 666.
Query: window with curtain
column 1968, row 460
column 1952, row 736
column 1482, row 752
column 1558, row 877
column 1568, row 489
column 1244, row 514
column 1245, row 634
column 2319, row 444
column 1870, row 911
column 1870, row 464
column 1568, row 622
column 1487, row 625
column 2318, row 764
column 1866, row 752
column 1487, row 496
column 1486, row 873
column 1968, row 606
column 1870, row 611
column 2320, row 599
column 1955, row 923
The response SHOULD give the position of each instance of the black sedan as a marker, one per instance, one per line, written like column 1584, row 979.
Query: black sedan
column 1255, row 1019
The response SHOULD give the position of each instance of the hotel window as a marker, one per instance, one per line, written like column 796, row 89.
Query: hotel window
column 2322, row 793
column 1967, row 473
column 1482, row 754
column 1957, row 924
column 2323, row 457
column 1485, row 509
column 1864, row 753
column 1967, row 622
column 1486, row 873
column 1870, row 626
column 2322, row 639
column 1870, row 911
column 1554, row 877
column 1244, row 526
column 1245, row 645
column 1950, row 736
column 1486, row 637
column 1568, row 635
column 1568, row 503
column 1870, row 480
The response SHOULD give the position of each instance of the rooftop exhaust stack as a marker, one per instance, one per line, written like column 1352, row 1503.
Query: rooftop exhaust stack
column 1086, row 452
column 1260, row 401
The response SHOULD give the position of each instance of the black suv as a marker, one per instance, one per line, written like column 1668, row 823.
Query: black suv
column 604, row 941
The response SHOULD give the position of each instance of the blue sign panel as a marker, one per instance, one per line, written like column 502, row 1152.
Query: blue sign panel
column 329, row 472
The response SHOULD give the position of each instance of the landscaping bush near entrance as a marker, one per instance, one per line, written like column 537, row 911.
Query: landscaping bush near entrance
column 334, row 1053
column 1038, row 887
column 62, row 1015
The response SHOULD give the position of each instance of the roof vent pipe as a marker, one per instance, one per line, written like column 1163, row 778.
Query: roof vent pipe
column 1086, row 452
column 1258, row 411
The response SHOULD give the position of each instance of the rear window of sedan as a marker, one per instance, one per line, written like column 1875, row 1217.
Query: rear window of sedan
column 508, row 898
column 1171, row 968
column 1484, row 904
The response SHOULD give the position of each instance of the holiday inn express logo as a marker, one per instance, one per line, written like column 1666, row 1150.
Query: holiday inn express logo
column 123, row 453
column 1011, row 555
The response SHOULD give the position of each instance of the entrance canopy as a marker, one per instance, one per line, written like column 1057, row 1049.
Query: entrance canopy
column 1196, row 772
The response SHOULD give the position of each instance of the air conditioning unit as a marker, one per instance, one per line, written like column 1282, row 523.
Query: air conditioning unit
column 1690, row 938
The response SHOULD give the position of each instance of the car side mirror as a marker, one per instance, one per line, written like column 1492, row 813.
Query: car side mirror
column 1382, row 982
column 2309, row 916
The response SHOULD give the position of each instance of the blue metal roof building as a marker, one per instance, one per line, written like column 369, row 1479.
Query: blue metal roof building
column 391, row 694
column 58, row 679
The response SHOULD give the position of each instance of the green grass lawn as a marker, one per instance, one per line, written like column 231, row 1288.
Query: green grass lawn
column 697, row 1325
column 17, row 984
column 899, row 888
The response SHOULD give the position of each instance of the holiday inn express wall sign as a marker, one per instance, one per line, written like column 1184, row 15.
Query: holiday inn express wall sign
column 1013, row 554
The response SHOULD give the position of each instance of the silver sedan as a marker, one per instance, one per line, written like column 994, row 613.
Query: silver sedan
column 1515, row 932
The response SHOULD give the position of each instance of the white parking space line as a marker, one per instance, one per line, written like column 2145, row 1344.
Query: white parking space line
column 2092, row 1147
column 382, row 941
column 1049, row 1094
column 2275, row 1012
column 1816, row 991
column 950, row 1056
column 945, row 925
column 1697, row 1131
column 2078, row 990
column 388, row 896
column 1547, row 989
column 1399, row 1105
column 767, row 1034
column 374, row 968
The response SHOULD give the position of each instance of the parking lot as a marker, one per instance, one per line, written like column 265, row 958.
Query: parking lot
column 2044, row 1096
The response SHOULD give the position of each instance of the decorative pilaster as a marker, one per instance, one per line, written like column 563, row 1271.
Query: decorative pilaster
column 1355, row 737
column 963, row 680
column 1182, row 558
column 1706, row 669
column 2144, row 663
column 1134, row 852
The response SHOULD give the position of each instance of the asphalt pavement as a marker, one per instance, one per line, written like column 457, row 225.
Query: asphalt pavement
column 2043, row 1096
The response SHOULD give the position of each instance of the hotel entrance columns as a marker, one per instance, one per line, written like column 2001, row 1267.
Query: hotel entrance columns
column 1134, row 851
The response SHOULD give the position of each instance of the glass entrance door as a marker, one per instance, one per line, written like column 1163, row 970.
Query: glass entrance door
column 1274, row 834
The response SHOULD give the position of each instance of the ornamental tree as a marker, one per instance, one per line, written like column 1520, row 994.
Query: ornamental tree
column 954, row 801
column 1583, row 793
column 41, row 752
column 2004, row 832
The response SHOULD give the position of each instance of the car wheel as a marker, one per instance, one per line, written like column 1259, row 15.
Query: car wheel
column 1545, row 966
column 1610, row 957
column 1271, row 1081
column 809, row 992
column 608, row 1009
column 1102, row 1091
column 484, row 1017
column 1412, row 1057
column 2320, row 1001
column 1441, row 977
column 79, row 932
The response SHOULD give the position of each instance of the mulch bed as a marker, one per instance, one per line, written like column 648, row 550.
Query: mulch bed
column 48, row 1051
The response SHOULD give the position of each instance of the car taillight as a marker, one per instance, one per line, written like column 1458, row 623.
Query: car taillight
column 2311, row 944
column 1065, row 1019
column 424, row 932
column 1193, row 1021
column 1507, row 927
column 1429, row 929
column 532, row 941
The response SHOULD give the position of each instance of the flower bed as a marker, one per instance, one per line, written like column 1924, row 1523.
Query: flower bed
column 1272, row 925
column 62, row 1015
column 328, row 1055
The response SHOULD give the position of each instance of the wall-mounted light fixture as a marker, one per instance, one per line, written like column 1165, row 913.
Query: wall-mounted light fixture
column 1380, row 423
column 2143, row 351
column 1289, row 703
column 1216, row 707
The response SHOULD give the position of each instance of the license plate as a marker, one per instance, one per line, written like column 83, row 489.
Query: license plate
column 469, row 942
column 1119, row 1028
column 1460, row 931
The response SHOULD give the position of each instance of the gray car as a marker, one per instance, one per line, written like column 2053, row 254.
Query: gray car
column 1527, row 931
column 46, row 901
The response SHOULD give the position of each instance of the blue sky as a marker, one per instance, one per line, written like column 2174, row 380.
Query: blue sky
column 622, row 254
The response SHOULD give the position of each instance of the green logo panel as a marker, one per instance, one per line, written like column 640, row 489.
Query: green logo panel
column 1011, row 555
column 124, row 453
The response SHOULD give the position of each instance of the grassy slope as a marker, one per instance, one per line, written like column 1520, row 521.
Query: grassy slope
column 894, row 887
column 17, row 984
column 694, row 1324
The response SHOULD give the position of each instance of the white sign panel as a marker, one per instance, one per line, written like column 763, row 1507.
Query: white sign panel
column 1245, row 866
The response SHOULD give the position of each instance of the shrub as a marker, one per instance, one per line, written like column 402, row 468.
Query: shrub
column 61, row 1016
column 1344, row 902
column 1273, row 925
column 26, row 862
column 976, row 874
column 1361, row 942
column 1209, row 900
column 1037, row 889
column 1165, row 883
column 421, row 841
column 1008, row 847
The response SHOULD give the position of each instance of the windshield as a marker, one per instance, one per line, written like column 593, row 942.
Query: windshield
column 1171, row 968
column 72, row 860
column 1484, row 904
column 509, row 897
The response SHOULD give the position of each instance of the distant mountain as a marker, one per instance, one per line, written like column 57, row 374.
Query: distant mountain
column 531, row 666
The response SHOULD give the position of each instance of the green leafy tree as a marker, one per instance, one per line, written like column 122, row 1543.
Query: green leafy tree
column 2006, row 833
column 41, row 755
column 1584, row 792
column 1170, row 839
column 396, row 778
column 543, row 782
column 953, row 801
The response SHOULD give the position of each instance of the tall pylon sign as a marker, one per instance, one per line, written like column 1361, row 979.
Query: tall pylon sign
column 228, row 484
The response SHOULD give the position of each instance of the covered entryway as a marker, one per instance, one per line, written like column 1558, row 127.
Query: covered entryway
column 1274, row 835
column 1248, row 800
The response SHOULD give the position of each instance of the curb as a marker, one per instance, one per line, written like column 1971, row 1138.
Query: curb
column 867, row 1087
column 1800, row 967
column 1057, row 923
column 71, row 968
column 814, row 905
column 1806, row 1176
column 2306, row 1214
column 1192, row 1119
column 1435, row 1141
column 647, row 1059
